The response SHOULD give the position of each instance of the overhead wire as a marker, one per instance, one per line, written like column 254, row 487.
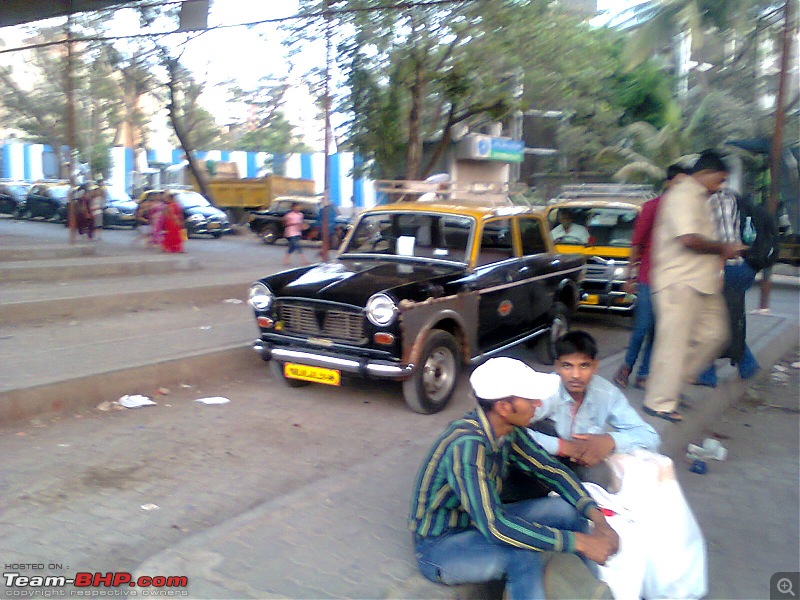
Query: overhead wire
column 406, row 4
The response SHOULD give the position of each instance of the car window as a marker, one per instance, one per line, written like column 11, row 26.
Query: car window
column 191, row 199
column 530, row 231
column 606, row 225
column 496, row 242
column 59, row 191
column 422, row 235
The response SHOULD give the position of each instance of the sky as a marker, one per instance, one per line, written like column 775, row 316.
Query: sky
column 246, row 54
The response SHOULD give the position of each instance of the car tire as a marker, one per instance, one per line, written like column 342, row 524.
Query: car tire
column 270, row 235
column 276, row 367
column 216, row 235
column 559, row 325
column 431, row 386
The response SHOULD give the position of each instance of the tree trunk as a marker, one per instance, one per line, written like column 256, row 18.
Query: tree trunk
column 414, row 154
column 188, row 151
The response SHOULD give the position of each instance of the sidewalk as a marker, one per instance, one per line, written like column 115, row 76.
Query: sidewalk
column 346, row 536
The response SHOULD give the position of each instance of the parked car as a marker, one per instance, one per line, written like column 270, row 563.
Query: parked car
column 12, row 197
column 200, row 216
column 418, row 291
column 119, row 210
column 47, row 200
column 269, row 223
column 604, row 216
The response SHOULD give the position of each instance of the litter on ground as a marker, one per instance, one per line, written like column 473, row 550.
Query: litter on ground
column 135, row 401
column 213, row 400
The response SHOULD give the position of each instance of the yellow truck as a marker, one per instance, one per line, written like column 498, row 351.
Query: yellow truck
column 236, row 195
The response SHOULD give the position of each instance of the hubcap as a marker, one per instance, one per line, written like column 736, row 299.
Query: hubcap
column 438, row 374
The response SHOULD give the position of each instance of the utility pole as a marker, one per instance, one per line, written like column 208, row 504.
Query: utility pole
column 776, row 150
column 326, row 211
column 70, row 126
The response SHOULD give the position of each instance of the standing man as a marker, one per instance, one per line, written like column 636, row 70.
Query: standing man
column 463, row 533
column 691, row 318
column 638, row 282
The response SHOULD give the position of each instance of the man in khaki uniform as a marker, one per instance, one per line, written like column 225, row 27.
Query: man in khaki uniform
column 691, row 318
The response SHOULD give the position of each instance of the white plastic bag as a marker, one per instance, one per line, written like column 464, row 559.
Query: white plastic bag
column 654, row 520
column 625, row 571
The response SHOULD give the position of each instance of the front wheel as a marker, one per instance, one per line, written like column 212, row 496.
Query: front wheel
column 559, row 325
column 431, row 386
column 277, row 372
column 270, row 235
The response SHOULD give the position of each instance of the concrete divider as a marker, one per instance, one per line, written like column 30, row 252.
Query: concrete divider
column 20, row 253
column 102, row 304
column 86, row 267
column 85, row 392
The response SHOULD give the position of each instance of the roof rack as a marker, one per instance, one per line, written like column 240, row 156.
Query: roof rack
column 484, row 193
column 584, row 190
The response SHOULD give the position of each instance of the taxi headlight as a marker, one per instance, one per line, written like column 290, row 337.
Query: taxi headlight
column 619, row 273
column 381, row 310
column 260, row 296
column 196, row 218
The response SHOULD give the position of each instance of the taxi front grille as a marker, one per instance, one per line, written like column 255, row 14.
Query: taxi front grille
column 596, row 272
column 320, row 320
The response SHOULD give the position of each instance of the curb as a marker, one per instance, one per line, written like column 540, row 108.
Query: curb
column 89, row 391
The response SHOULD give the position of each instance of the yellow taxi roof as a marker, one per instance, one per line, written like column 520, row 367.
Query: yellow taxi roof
column 469, row 209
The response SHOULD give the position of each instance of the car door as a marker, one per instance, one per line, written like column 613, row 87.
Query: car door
column 502, row 305
column 537, row 266
column 34, row 203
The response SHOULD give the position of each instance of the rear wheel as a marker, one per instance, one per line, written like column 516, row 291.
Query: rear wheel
column 431, row 386
column 277, row 372
column 559, row 325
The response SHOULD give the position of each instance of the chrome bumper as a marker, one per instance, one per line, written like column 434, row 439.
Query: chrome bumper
column 362, row 368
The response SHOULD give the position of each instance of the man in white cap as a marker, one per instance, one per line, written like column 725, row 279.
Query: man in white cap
column 463, row 533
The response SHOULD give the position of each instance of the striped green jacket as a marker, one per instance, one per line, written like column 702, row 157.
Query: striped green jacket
column 461, row 479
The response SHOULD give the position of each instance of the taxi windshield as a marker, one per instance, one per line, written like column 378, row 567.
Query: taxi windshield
column 593, row 226
column 420, row 235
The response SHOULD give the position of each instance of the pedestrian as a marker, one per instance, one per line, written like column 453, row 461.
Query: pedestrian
column 142, row 217
column 174, row 226
column 740, row 221
column 686, row 277
column 463, row 532
column 293, row 227
column 84, row 220
column 157, row 214
column 637, row 282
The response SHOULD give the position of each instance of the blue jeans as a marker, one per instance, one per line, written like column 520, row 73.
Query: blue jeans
column 738, row 279
column 644, row 329
column 467, row 556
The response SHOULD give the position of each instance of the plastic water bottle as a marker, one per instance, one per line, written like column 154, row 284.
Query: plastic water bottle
column 749, row 232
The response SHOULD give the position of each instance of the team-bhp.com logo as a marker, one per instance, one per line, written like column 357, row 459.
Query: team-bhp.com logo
column 91, row 584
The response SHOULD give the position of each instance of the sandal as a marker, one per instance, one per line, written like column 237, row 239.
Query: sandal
column 673, row 416
column 621, row 376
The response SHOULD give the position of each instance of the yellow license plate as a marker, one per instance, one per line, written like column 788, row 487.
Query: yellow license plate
column 313, row 374
column 591, row 299
column 213, row 225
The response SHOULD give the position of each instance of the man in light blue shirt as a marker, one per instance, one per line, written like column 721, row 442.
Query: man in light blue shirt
column 590, row 418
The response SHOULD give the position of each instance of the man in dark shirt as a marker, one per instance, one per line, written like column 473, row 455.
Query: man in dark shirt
column 463, row 533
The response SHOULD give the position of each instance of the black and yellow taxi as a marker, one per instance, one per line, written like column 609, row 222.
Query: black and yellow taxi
column 597, row 220
column 419, row 290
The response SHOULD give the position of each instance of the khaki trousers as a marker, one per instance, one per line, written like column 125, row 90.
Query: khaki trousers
column 691, row 331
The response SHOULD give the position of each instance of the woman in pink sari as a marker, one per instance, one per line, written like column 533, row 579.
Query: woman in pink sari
column 172, row 240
